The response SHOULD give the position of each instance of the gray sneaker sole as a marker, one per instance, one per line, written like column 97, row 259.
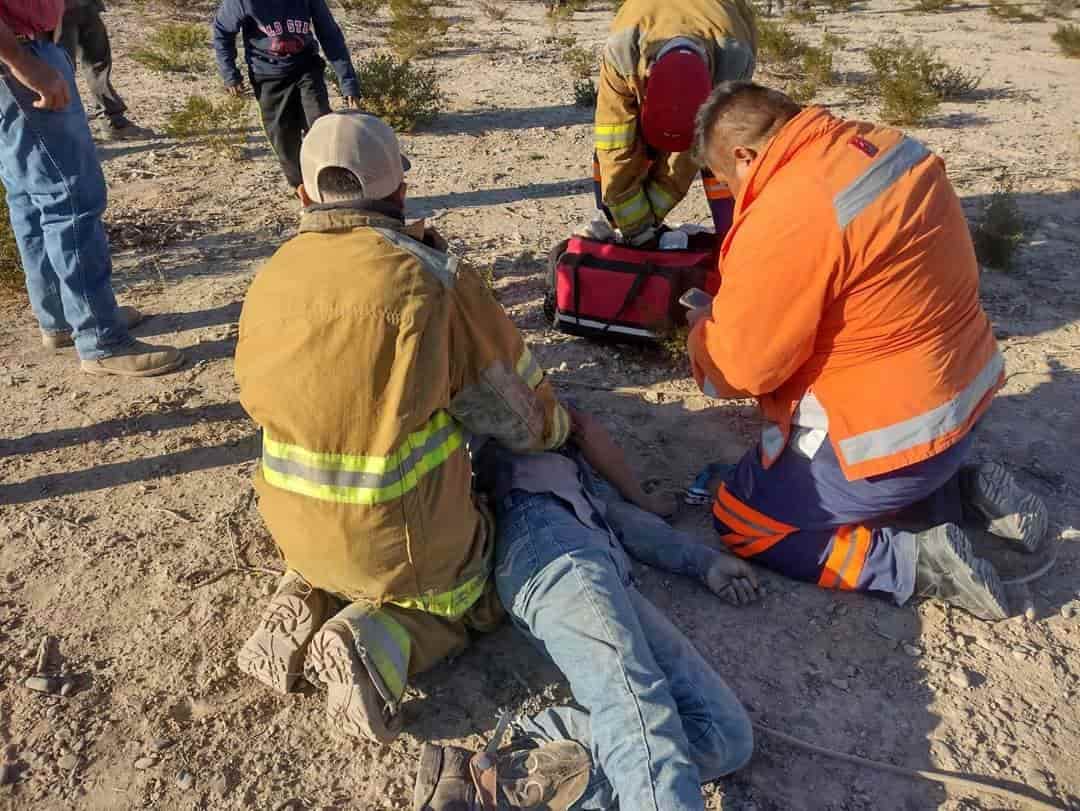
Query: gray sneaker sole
column 968, row 582
column 1009, row 511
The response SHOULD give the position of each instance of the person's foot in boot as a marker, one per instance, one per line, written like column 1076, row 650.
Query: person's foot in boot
column 136, row 360
column 1002, row 507
column 128, row 316
column 354, row 705
column 275, row 653
column 120, row 128
column 947, row 569
column 549, row 777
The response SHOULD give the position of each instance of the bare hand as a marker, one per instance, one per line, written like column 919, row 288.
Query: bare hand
column 733, row 580
column 352, row 102
column 45, row 80
column 236, row 89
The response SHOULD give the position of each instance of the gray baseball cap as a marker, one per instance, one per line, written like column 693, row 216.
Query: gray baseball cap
column 363, row 144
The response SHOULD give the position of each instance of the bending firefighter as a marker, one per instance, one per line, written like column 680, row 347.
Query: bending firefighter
column 849, row 307
column 660, row 62
column 365, row 354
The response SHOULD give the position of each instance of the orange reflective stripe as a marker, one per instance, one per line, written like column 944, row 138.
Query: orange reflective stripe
column 748, row 515
column 715, row 189
column 847, row 558
column 759, row 545
column 596, row 169
column 734, row 523
column 753, row 532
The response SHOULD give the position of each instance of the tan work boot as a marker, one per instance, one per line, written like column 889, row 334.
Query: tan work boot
column 137, row 360
column 274, row 654
column 128, row 316
column 550, row 777
column 354, row 705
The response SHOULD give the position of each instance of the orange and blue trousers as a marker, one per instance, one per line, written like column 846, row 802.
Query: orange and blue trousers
column 803, row 518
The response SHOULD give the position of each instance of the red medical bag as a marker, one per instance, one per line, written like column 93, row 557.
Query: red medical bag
column 601, row 289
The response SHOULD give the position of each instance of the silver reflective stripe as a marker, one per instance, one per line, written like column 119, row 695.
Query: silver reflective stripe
column 881, row 174
column 587, row 322
column 368, row 634
column 926, row 427
column 442, row 266
column 772, row 440
column 810, row 413
column 354, row 478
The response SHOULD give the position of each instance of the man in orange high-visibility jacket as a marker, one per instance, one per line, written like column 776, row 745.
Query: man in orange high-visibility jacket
column 849, row 307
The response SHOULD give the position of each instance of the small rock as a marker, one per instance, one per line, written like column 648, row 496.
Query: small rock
column 68, row 762
column 1068, row 611
column 185, row 780
column 43, row 684
column 144, row 763
column 161, row 744
column 8, row 773
column 839, row 684
column 67, row 688
column 912, row 650
column 960, row 678
column 961, row 641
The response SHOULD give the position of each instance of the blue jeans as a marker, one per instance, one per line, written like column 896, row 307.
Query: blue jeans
column 657, row 719
column 56, row 196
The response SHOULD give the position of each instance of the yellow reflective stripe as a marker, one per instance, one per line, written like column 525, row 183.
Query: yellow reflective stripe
column 631, row 212
column 451, row 604
column 614, row 136
column 528, row 370
column 660, row 200
column 560, row 427
column 385, row 645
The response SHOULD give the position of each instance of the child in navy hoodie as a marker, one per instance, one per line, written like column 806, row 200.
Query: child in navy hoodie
column 281, row 48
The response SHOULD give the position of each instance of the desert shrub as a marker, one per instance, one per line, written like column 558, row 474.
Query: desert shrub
column 832, row 41
column 581, row 61
column 400, row 93
column 1011, row 12
column 221, row 125
column 11, row 275
column 366, row 7
column 176, row 48
column 1060, row 9
column 912, row 80
column 1000, row 229
column 565, row 9
column 584, row 93
column 951, row 82
column 496, row 12
column 839, row 5
column 415, row 28
column 817, row 64
column 1067, row 38
column 802, row 14
column 777, row 43
column 931, row 5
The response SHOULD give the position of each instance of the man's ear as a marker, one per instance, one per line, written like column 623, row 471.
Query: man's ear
column 744, row 155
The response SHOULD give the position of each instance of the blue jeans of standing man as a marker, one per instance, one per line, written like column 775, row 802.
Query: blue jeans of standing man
column 657, row 719
column 56, row 196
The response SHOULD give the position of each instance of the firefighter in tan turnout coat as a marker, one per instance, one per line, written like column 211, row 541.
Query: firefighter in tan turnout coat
column 366, row 353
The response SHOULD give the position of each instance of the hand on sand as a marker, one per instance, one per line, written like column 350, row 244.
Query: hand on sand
column 732, row 580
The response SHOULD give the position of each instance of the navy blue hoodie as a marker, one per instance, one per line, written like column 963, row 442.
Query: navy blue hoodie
column 280, row 39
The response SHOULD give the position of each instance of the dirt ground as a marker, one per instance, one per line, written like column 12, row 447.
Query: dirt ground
column 128, row 528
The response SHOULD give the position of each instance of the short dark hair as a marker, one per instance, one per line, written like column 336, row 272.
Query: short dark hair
column 742, row 114
column 337, row 184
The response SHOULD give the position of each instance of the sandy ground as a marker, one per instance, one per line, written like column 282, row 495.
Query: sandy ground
column 127, row 523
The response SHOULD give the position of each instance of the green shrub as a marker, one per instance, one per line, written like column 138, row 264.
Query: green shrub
column 222, row 125
column 777, row 43
column 1067, row 38
column 1061, row 9
column 585, row 93
column 366, row 7
column 803, row 14
column 401, row 94
column 176, row 48
column 912, row 80
column 496, row 12
column 1011, row 12
column 415, row 28
column 952, row 82
column 931, row 5
column 11, row 275
column 1000, row 230
column 817, row 64
column 581, row 61
column 831, row 41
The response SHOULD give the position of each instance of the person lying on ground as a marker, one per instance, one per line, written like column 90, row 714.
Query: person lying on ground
column 287, row 74
column 849, row 307
column 366, row 352
column 56, row 196
column 655, row 719
column 661, row 60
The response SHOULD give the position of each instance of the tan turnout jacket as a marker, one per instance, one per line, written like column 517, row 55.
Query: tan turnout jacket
column 637, row 187
column 365, row 356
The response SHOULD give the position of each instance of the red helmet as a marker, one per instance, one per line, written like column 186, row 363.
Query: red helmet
column 678, row 84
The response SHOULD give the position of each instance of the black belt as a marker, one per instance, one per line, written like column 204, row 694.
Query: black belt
column 42, row 36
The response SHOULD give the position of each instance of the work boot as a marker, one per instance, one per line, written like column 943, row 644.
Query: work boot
column 354, row 705
column 136, row 360
column 1002, row 506
column 550, row 777
column 122, row 128
column 275, row 653
column 128, row 316
column 946, row 568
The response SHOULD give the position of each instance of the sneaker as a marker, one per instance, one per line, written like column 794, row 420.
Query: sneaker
column 552, row 776
column 275, row 653
column 136, row 360
column 128, row 316
column 947, row 569
column 1002, row 506
column 354, row 705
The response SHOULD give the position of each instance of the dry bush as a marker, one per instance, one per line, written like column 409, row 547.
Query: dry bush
column 400, row 93
column 581, row 61
column 221, row 125
column 176, row 48
column 1061, row 9
column 367, row 7
column 1001, row 228
column 777, row 43
column 931, row 6
column 804, row 14
column 565, row 9
column 1011, row 12
column 496, row 12
column 1067, row 38
column 11, row 275
column 839, row 5
column 415, row 28
column 817, row 64
column 912, row 80
column 831, row 41
column 585, row 93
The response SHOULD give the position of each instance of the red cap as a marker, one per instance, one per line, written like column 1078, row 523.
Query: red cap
column 679, row 83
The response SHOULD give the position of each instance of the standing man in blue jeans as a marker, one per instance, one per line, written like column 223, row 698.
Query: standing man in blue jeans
column 56, row 195
column 655, row 720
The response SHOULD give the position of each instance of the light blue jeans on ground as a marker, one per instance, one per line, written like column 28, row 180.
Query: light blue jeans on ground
column 657, row 719
column 56, row 195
